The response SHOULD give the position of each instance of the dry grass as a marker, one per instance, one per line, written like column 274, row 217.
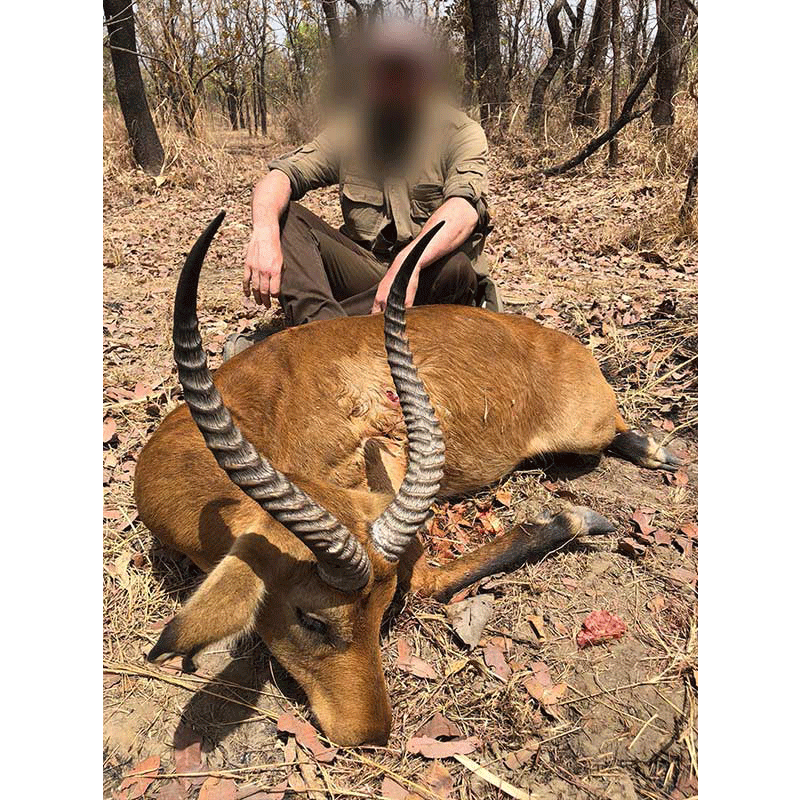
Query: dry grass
column 596, row 254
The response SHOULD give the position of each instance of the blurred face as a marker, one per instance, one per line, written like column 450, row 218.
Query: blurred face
column 396, row 84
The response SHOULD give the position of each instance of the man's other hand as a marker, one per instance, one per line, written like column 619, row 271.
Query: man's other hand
column 379, row 304
column 263, row 266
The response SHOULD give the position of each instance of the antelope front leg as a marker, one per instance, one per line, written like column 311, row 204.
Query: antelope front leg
column 530, row 540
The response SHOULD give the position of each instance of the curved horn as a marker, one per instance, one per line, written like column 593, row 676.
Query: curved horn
column 342, row 561
column 399, row 523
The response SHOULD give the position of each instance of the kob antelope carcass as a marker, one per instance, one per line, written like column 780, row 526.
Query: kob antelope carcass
column 280, row 479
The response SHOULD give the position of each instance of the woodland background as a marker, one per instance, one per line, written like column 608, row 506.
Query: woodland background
column 591, row 113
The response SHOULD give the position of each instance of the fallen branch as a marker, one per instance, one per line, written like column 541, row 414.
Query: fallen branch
column 626, row 115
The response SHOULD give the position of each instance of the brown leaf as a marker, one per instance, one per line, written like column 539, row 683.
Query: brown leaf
column 681, row 477
column 254, row 793
column 469, row 617
column 683, row 576
column 642, row 521
column 109, row 429
column 537, row 623
column 139, row 778
column 306, row 736
column 496, row 661
column 433, row 748
column 657, row 603
column 519, row 758
column 439, row 779
column 188, row 751
column 662, row 537
column 218, row 789
column 392, row 790
column 684, row 544
column 690, row 529
column 439, row 727
column 631, row 548
column 140, row 391
column 170, row 790
column 599, row 627
column 411, row 663
column 503, row 496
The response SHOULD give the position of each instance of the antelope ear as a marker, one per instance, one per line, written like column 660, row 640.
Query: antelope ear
column 225, row 604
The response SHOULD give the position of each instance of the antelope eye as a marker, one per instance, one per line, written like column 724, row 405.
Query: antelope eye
column 311, row 622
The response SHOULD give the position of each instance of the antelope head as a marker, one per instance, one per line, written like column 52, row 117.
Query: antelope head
column 314, row 575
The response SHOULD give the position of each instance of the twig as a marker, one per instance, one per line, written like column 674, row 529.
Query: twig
column 504, row 786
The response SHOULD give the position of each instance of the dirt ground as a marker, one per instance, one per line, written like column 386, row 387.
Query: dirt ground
column 596, row 254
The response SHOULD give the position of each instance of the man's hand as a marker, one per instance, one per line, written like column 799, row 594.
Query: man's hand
column 460, row 218
column 263, row 266
column 263, row 263
column 381, row 296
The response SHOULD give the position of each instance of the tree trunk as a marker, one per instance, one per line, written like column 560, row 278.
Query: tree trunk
column 469, row 92
column 334, row 28
column 536, row 108
column 576, row 19
column 230, row 104
column 616, row 47
column 147, row 149
column 587, row 106
column 492, row 89
column 672, row 14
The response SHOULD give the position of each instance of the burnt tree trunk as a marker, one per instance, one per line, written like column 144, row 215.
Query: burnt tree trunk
column 616, row 48
column 671, row 17
column 587, row 105
column 147, row 149
column 492, row 89
column 542, row 82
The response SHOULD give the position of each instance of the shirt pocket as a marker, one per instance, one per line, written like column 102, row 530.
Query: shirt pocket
column 425, row 199
column 362, row 210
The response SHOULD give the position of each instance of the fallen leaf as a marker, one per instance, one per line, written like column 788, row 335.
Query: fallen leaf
column 682, row 576
column 256, row 793
column 600, row 626
column 218, row 789
column 170, row 790
column 537, row 623
column 656, row 604
column 140, row 391
column 684, row 544
column 469, row 617
column 642, row 521
column 433, row 748
column 392, row 790
column 306, row 736
column 690, row 529
column 631, row 548
column 439, row 727
column 681, row 478
column 662, row 537
column 413, row 664
column 188, row 751
column 496, row 661
column 503, row 496
column 109, row 429
column 139, row 779
column 439, row 779
column 519, row 758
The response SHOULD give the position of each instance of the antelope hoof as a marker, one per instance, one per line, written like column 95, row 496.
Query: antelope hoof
column 591, row 522
column 643, row 450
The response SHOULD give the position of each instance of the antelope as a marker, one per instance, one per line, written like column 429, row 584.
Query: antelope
column 286, row 476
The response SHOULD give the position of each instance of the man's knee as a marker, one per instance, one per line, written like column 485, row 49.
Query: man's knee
column 456, row 281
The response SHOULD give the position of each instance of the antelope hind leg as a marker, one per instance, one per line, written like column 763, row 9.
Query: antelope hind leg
column 643, row 450
column 503, row 554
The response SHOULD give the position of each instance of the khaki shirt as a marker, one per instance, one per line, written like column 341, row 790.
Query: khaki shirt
column 384, row 212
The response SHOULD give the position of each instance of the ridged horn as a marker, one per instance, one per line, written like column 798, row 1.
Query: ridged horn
column 398, row 524
column 342, row 561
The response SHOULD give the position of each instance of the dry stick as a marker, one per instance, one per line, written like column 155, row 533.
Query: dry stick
column 626, row 115
column 490, row 777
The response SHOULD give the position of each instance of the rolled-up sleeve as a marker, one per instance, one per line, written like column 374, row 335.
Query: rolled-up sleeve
column 312, row 166
column 466, row 168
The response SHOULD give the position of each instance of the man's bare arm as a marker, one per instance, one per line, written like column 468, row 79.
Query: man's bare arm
column 264, row 259
column 460, row 219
